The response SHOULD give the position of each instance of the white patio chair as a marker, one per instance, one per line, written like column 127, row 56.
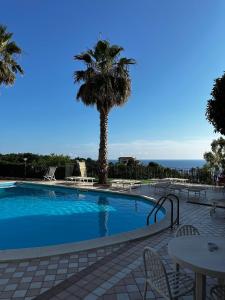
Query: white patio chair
column 217, row 292
column 169, row 285
column 186, row 230
column 50, row 174
column 177, row 187
column 162, row 185
column 197, row 190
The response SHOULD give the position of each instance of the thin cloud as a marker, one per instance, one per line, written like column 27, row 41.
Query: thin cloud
column 141, row 149
column 149, row 149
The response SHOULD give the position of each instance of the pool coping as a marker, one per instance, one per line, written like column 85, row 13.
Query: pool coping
column 46, row 251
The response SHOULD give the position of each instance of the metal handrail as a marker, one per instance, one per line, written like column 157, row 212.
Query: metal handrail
column 171, row 212
column 164, row 198
column 178, row 207
column 155, row 206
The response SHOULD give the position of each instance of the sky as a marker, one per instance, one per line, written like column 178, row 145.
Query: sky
column 179, row 48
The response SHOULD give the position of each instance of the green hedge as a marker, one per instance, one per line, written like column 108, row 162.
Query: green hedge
column 17, row 170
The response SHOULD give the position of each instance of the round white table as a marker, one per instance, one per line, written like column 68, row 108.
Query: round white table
column 192, row 252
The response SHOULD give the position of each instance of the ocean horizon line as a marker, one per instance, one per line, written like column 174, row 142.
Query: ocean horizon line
column 173, row 163
column 153, row 159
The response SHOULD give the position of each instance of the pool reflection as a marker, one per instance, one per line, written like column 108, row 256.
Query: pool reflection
column 103, row 216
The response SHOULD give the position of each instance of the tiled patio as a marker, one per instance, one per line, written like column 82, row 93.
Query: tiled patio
column 108, row 273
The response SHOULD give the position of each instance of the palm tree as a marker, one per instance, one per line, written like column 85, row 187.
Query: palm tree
column 105, row 83
column 8, row 52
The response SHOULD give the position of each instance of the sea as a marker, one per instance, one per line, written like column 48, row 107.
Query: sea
column 175, row 163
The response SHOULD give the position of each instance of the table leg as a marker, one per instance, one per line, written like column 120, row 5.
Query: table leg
column 200, row 286
column 213, row 208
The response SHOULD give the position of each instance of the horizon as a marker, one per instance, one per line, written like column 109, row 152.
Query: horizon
column 179, row 50
column 109, row 159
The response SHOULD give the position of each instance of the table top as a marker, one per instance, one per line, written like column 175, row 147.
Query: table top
column 219, row 200
column 192, row 252
column 195, row 188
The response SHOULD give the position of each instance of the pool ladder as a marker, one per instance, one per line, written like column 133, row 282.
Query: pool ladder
column 171, row 198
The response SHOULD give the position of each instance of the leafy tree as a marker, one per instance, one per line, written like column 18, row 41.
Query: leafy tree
column 153, row 164
column 35, row 159
column 105, row 83
column 216, row 158
column 215, row 111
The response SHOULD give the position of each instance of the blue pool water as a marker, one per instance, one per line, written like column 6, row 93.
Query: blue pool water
column 35, row 215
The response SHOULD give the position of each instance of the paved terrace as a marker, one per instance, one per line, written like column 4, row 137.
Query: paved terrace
column 111, row 273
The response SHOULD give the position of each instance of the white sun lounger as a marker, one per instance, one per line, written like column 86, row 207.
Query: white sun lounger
column 81, row 179
column 126, row 182
column 83, row 172
column 50, row 174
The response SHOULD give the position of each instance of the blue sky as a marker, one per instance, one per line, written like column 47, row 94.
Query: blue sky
column 179, row 47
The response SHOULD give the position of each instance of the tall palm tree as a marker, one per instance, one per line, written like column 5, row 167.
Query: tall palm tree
column 105, row 83
column 8, row 52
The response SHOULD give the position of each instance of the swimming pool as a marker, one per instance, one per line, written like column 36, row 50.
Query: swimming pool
column 37, row 215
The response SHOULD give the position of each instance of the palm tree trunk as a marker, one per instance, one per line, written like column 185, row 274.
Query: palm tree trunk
column 103, row 153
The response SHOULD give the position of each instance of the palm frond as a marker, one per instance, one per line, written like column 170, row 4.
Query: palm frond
column 91, row 53
column 4, row 35
column 83, row 75
column 126, row 61
column 101, row 50
column 79, row 76
column 85, row 94
column 86, row 57
column 11, row 48
column 8, row 51
column 115, row 50
column 7, row 77
column 17, row 69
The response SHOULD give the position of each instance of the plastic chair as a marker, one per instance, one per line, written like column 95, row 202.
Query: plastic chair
column 170, row 285
column 50, row 175
column 218, row 292
column 186, row 230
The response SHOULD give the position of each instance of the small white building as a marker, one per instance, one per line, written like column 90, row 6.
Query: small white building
column 126, row 159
